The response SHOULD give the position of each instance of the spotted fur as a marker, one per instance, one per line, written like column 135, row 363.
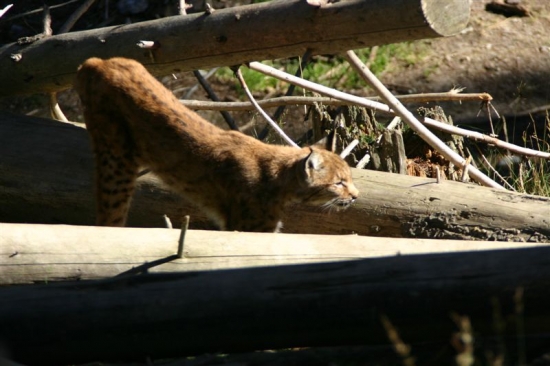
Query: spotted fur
column 239, row 182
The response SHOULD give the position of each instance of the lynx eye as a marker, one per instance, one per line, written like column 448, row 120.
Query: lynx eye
column 340, row 183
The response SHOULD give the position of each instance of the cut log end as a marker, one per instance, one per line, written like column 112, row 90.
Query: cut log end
column 447, row 19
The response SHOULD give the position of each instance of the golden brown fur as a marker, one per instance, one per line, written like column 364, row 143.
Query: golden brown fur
column 239, row 182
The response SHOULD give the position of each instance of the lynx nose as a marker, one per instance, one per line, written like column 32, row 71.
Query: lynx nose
column 354, row 192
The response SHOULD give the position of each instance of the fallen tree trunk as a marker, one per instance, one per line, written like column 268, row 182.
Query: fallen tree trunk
column 48, row 253
column 46, row 177
column 232, row 36
column 324, row 304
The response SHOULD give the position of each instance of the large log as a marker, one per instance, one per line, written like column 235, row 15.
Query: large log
column 46, row 177
column 275, row 29
column 323, row 304
column 49, row 253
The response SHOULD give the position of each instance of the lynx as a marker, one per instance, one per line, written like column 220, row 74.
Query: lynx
column 239, row 182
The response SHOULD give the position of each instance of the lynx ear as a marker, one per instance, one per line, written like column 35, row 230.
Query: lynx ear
column 314, row 161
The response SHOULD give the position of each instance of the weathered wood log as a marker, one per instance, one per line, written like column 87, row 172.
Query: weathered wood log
column 323, row 304
column 48, row 253
column 46, row 177
column 275, row 29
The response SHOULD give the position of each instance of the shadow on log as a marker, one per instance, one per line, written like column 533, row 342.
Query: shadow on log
column 46, row 177
column 50, row 253
column 326, row 304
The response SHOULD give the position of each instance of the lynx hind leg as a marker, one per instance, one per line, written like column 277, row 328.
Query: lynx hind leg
column 116, row 170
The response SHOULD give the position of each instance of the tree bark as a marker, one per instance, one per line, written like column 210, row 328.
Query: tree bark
column 323, row 304
column 46, row 177
column 231, row 36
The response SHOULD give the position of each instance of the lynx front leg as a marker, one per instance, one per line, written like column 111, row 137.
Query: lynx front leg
column 116, row 170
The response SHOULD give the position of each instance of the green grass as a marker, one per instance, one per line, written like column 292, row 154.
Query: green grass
column 332, row 71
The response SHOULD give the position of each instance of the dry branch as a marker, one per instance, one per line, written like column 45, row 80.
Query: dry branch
column 271, row 122
column 46, row 177
column 485, row 138
column 140, row 315
column 414, row 123
column 299, row 100
column 232, row 36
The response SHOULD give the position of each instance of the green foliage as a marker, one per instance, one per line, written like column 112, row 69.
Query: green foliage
column 332, row 71
column 255, row 81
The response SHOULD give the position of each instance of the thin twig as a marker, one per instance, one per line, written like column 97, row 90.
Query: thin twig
column 372, row 55
column 465, row 168
column 193, row 89
column 349, row 148
column 167, row 222
column 535, row 110
column 69, row 23
column 181, row 241
column 182, row 7
column 490, row 167
column 39, row 10
column 273, row 124
column 484, row 138
column 55, row 110
column 212, row 95
column 279, row 112
column 279, row 101
column 5, row 9
column 394, row 123
column 364, row 161
column 47, row 22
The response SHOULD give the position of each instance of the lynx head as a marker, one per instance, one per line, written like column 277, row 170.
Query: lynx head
column 326, row 180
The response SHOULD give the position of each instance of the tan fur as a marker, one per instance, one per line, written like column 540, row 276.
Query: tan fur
column 239, row 182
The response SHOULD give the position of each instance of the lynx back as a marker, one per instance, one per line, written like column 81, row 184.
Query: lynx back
column 239, row 182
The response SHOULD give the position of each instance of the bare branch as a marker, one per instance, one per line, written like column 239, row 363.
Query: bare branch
column 212, row 95
column 488, row 164
column 279, row 112
column 457, row 160
column 349, row 148
column 487, row 139
column 39, row 10
column 273, row 124
column 298, row 100
column 5, row 9
column 55, row 110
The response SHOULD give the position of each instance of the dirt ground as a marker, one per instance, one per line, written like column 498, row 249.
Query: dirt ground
column 508, row 58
